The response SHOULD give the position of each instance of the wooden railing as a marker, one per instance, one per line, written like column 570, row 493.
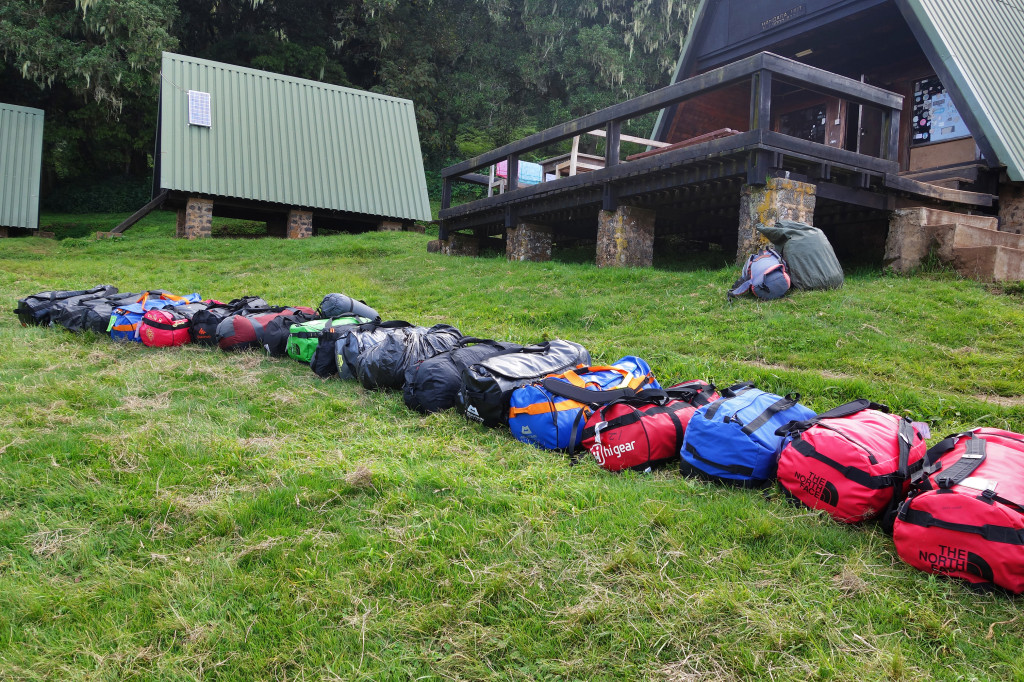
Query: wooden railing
column 761, row 70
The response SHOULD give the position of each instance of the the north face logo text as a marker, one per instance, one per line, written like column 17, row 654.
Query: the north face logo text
column 602, row 453
column 818, row 487
column 956, row 560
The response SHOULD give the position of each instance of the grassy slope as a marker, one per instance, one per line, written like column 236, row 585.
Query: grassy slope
column 186, row 513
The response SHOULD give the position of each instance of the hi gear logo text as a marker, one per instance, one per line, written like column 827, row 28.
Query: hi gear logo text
column 602, row 453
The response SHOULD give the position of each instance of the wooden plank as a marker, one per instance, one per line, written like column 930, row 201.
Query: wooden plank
column 830, row 83
column 930, row 191
column 855, row 196
column 141, row 213
column 832, row 155
column 612, row 146
column 631, row 138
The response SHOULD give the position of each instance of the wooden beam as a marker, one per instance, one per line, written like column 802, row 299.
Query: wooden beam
column 631, row 138
column 141, row 213
column 612, row 146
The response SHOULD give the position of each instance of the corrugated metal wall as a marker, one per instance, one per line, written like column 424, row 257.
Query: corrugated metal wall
column 21, row 156
column 290, row 141
column 981, row 43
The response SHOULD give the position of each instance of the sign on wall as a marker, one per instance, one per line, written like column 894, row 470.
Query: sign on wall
column 935, row 116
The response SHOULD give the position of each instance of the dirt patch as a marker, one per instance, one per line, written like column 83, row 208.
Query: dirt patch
column 136, row 403
column 696, row 668
column 827, row 373
column 360, row 478
column 850, row 583
column 1002, row 401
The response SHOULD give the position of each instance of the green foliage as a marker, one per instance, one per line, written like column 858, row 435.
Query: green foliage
column 106, row 196
column 186, row 513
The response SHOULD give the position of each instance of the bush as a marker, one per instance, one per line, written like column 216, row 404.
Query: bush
column 113, row 195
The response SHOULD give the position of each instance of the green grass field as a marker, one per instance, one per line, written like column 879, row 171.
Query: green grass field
column 189, row 514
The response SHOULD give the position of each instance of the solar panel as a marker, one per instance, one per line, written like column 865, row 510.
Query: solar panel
column 198, row 108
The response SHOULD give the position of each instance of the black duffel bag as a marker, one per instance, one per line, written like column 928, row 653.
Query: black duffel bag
column 35, row 309
column 487, row 385
column 383, row 365
column 275, row 333
column 353, row 342
column 324, row 362
column 433, row 384
column 205, row 322
column 91, row 314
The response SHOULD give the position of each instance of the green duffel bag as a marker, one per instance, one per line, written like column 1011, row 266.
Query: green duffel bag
column 303, row 338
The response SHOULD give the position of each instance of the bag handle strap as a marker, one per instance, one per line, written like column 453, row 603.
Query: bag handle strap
column 573, row 375
column 588, row 396
column 846, row 410
column 737, row 389
column 466, row 340
column 760, row 420
column 974, row 455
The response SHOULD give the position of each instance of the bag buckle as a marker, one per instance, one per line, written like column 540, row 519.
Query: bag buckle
column 597, row 431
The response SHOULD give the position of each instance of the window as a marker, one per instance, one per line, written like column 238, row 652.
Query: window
column 198, row 108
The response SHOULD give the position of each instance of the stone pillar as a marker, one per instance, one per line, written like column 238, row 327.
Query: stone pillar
column 300, row 224
column 1011, row 207
column 778, row 199
column 458, row 245
column 625, row 238
column 3, row 232
column 195, row 221
column 389, row 226
column 908, row 241
column 527, row 241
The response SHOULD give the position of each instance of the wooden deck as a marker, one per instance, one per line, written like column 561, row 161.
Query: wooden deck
column 678, row 182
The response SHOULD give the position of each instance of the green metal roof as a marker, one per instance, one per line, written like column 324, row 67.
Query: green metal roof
column 21, row 156
column 980, row 44
column 289, row 141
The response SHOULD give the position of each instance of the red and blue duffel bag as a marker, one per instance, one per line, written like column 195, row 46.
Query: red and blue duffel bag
column 642, row 431
column 854, row 461
column 965, row 516
column 125, row 320
column 164, row 328
column 551, row 413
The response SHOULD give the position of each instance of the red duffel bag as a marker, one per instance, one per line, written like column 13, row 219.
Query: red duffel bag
column 854, row 461
column 965, row 517
column 239, row 332
column 645, row 430
column 165, row 327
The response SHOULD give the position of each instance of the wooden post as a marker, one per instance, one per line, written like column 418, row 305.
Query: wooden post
column 446, row 193
column 513, row 173
column 572, row 156
column 761, row 100
column 891, row 134
column 612, row 144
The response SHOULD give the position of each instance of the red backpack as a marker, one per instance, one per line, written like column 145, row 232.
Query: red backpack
column 642, row 431
column 164, row 328
column 965, row 518
column 854, row 461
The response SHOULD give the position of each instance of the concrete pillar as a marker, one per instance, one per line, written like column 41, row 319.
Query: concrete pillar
column 389, row 226
column 195, row 221
column 625, row 238
column 300, row 224
column 778, row 199
column 908, row 241
column 459, row 245
column 1011, row 207
column 528, row 242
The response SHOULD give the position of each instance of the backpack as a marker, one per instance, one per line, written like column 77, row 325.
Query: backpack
column 205, row 322
column 352, row 342
column 164, row 328
column 733, row 439
column 487, row 385
column 35, row 309
column 645, row 430
column 324, row 362
column 854, row 461
column 304, row 337
column 125, row 319
column 765, row 275
column 384, row 364
column 965, row 516
column 246, row 330
column 551, row 413
column 88, row 313
column 340, row 305
column 432, row 385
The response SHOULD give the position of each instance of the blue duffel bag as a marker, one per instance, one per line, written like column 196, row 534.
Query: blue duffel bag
column 733, row 439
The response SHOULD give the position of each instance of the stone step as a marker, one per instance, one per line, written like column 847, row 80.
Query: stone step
column 948, row 237
column 990, row 263
column 934, row 216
